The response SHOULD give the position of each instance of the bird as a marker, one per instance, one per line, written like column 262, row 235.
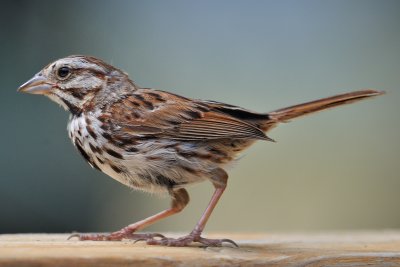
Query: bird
column 157, row 141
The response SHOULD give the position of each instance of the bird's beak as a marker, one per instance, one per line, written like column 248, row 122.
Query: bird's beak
column 38, row 85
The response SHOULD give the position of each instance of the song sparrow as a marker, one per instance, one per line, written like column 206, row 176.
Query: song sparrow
column 157, row 141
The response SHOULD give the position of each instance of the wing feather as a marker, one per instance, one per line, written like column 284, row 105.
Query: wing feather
column 180, row 118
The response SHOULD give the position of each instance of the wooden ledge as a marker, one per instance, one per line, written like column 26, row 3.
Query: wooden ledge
column 332, row 249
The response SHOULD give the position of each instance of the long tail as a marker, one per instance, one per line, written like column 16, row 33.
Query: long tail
column 285, row 114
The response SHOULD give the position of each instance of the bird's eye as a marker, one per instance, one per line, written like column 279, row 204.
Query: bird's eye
column 63, row 72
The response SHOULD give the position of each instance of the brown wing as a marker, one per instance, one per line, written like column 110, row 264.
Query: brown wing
column 162, row 114
column 215, row 125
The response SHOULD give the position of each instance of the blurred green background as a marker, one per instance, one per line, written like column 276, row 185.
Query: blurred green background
column 335, row 170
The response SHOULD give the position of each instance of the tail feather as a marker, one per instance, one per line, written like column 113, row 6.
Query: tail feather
column 285, row 114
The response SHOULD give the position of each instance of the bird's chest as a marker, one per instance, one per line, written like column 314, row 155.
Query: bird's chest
column 100, row 147
column 84, row 134
column 87, row 136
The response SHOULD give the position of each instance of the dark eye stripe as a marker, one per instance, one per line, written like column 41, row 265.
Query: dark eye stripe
column 96, row 72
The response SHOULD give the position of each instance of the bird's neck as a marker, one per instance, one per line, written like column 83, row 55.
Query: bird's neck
column 115, row 90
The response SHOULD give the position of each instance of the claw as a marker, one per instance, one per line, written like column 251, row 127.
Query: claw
column 158, row 235
column 74, row 235
column 229, row 241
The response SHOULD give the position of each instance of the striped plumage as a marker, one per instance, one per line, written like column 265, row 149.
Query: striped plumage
column 154, row 140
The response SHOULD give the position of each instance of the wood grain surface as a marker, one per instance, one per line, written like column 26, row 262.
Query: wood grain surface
column 379, row 248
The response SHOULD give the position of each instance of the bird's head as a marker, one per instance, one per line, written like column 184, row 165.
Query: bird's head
column 74, row 81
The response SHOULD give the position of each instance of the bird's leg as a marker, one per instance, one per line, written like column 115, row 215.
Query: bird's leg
column 219, row 181
column 180, row 199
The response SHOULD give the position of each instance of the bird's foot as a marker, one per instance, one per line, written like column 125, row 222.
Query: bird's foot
column 116, row 236
column 187, row 240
